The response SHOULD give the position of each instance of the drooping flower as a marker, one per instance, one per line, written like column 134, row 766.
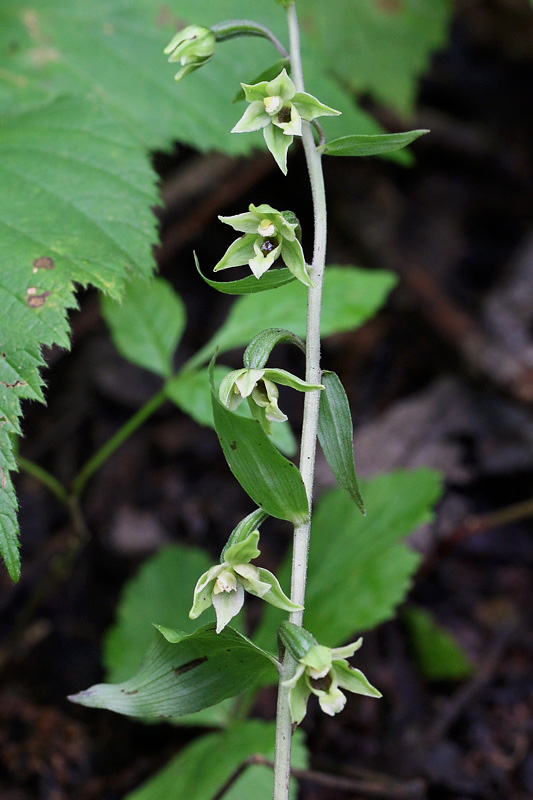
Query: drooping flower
column 278, row 109
column 268, row 234
column 192, row 47
column 322, row 671
column 259, row 387
column 223, row 585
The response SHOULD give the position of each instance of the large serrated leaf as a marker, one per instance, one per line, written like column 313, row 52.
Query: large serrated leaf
column 273, row 482
column 438, row 654
column 359, row 571
column 186, row 775
column 184, row 673
column 72, row 182
column 146, row 325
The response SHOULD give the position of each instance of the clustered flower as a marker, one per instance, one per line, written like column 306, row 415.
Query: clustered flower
column 223, row 585
column 278, row 109
column 268, row 234
column 259, row 387
column 324, row 671
column 192, row 47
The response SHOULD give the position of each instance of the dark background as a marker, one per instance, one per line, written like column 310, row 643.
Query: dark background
column 443, row 376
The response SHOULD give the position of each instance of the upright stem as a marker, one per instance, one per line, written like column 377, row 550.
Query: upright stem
column 310, row 420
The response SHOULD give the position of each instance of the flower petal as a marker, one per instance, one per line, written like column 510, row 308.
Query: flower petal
column 238, row 253
column 246, row 223
column 253, row 119
column 278, row 144
column 293, row 256
column 276, row 596
column 296, row 677
column 353, row 680
column 203, row 591
column 282, row 86
column 310, row 108
column 348, row 650
column 298, row 697
column 318, row 658
column 227, row 605
column 244, row 551
column 228, row 394
column 285, row 378
column 247, row 380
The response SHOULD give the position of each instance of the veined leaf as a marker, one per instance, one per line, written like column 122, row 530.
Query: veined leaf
column 250, row 285
column 186, row 775
column 360, row 145
column 190, row 390
column 438, row 653
column 147, row 324
column 351, row 296
column 72, row 182
column 335, row 433
column 273, row 482
column 359, row 571
column 183, row 673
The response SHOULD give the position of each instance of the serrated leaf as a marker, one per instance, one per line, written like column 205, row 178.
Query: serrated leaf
column 250, row 285
column 184, row 673
column 186, row 775
column 147, row 324
column 358, row 569
column 190, row 390
column 335, row 434
column 437, row 652
column 361, row 145
column 72, row 182
column 272, row 482
column 351, row 296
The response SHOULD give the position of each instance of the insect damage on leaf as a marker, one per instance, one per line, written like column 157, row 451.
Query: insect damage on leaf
column 44, row 262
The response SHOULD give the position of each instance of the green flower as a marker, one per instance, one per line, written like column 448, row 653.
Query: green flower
column 223, row 585
column 322, row 671
column 192, row 47
column 278, row 109
column 268, row 234
column 259, row 387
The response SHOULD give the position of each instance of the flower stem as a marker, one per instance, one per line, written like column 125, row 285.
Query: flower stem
column 310, row 420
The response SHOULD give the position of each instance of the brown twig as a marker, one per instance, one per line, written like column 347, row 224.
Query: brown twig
column 388, row 788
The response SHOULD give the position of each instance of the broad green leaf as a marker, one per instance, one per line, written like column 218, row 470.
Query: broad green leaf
column 147, row 324
column 183, row 673
column 204, row 767
column 377, row 46
column 437, row 652
column 335, row 433
column 273, row 482
column 250, row 285
column 359, row 571
column 361, row 145
column 190, row 390
column 72, row 183
column 351, row 296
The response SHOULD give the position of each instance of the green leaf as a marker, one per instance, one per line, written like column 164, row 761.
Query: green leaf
column 377, row 46
column 361, row 145
column 183, row 673
column 147, row 325
column 273, row 482
column 438, row 653
column 186, row 775
column 351, row 296
column 359, row 571
column 190, row 391
column 72, row 182
column 335, row 433
column 258, row 351
column 250, row 285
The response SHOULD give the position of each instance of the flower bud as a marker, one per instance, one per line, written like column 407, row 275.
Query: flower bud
column 192, row 47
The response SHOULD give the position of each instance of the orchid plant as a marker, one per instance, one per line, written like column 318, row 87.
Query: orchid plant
column 213, row 656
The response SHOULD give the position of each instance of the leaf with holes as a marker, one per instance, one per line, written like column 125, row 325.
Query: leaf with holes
column 72, row 182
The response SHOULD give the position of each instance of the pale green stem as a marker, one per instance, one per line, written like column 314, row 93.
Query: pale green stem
column 310, row 420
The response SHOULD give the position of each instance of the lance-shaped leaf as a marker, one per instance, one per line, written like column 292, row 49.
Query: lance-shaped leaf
column 273, row 482
column 250, row 285
column 363, row 145
column 335, row 433
column 258, row 351
column 184, row 673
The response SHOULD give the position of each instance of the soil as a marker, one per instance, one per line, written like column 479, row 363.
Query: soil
column 442, row 376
